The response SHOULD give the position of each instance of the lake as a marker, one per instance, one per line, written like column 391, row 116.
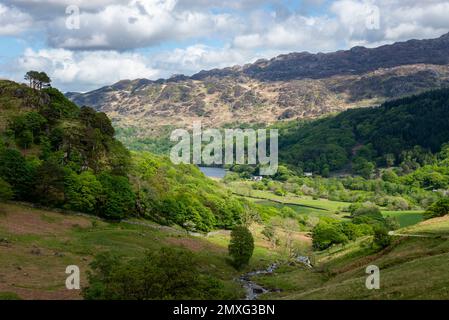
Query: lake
column 213, row 172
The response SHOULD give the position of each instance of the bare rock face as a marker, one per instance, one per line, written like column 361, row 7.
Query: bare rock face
column 291, row 86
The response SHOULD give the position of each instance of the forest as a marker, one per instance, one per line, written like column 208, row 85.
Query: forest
column 404, row 132
column 59, row 155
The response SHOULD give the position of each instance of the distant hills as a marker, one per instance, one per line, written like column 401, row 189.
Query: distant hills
column 356, row 61
column 292, row 86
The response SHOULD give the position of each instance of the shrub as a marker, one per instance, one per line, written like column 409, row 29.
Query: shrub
column 280, row 192
column 353, row 231
column 381, row 238
column 241, row 246
column 6, row 192
column 438, row 209
column 370, row 211
column 288, row 212
column 327, row 233
column 270, row 234
column 166, row 274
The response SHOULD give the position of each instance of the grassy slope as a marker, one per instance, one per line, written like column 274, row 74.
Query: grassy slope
column 411, row 268
column 40, row 244
column 37, row 245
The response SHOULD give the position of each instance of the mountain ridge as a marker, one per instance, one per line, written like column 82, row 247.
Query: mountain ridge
column 260, row 62
column 288, row 87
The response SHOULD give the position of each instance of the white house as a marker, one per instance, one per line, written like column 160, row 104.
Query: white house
column 308, row 174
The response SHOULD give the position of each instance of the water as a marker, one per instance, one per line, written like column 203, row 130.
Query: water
column 253, row 290
column 213, row 172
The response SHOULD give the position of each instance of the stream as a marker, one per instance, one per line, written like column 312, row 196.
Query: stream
column 253, row 290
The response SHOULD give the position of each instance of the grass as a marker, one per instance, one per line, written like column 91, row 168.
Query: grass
column 37, row 245
column 9, row 296
column 410, row 268
column 432, row 227
column 405, row 218
column 40, row 244
column 305, row 201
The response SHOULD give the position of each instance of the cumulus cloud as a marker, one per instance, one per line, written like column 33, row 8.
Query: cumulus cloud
column 13, row 21
column 84, row 70
column 200, row 57
column 129, row 24
column 204, row 34
column 88, row 70
column 125, row 25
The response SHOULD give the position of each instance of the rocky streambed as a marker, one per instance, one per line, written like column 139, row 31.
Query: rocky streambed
column 253, row 290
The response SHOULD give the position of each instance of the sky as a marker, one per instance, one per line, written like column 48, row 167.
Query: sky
column 86, row 44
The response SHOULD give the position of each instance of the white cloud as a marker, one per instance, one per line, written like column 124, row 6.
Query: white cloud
column 85, row 70
column 198, row 57
column 101, row 52
column 13, row 21
column 88, row 70
column 129, row 24
column 135, row 24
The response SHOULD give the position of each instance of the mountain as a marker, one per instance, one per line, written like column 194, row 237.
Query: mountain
column 291, row 86
column 358, row 60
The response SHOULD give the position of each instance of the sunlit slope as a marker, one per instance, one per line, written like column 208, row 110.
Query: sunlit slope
column 411, row 268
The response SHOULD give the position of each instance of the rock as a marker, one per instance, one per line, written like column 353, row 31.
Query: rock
column 257, row 289
column 5, row 242
column 35, row 251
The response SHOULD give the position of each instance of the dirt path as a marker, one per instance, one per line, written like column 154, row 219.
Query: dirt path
column 405, row 235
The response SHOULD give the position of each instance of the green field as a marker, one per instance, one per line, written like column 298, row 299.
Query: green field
column 321, row 207
column 405, row 218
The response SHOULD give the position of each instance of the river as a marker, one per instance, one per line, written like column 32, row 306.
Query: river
column 213, row 172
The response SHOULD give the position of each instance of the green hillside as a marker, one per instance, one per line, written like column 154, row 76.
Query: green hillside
column 59, row 155
column 410, row 268
column 406, row 129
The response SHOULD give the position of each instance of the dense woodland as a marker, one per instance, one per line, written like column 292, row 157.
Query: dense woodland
column 402, row 132
column 57, row 154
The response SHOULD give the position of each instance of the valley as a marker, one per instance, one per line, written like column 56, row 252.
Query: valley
column 363, row 179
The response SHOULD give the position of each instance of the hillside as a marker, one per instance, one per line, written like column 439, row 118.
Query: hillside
column 288, row 87
column 59, row 155
column 37, row 244
column 381, row 135
column 339, row 272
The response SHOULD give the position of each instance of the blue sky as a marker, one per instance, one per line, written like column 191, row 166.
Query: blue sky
column 128, row 39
